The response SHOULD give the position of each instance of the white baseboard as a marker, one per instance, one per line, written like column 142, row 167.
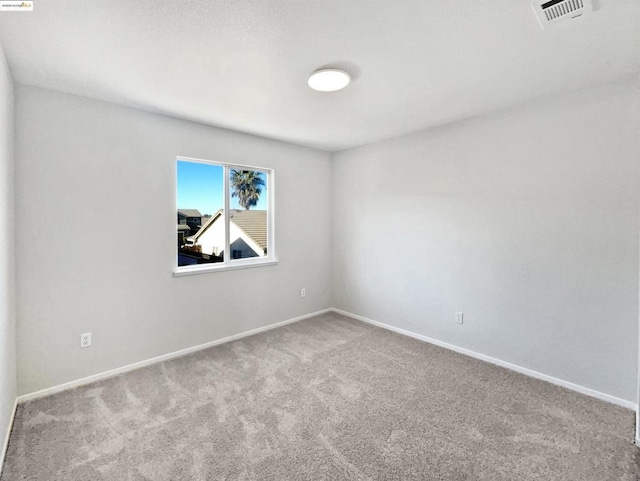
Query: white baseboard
column 154, row 360
column 131, row 367
column 522, row 370
column 5, row 446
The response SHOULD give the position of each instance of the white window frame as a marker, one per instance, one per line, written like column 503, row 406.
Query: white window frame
column 229, row 263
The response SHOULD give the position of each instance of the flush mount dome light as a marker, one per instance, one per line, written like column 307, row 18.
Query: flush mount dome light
column 329, row 79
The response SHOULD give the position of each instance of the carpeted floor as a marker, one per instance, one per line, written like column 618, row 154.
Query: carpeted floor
column 328, row 398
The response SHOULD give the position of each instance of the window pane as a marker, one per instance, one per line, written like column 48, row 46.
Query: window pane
column 200, row 213
column 248, row 219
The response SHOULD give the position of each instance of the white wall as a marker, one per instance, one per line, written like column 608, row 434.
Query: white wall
column 526, row 220
column 7, row 253
column 213, row 239
column 95, row 182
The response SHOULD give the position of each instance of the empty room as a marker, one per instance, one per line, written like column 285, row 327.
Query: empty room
column 319, row 240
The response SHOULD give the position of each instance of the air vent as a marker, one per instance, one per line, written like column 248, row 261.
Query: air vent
column 555, row 12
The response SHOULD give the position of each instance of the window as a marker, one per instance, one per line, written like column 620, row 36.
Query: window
column 225, row 216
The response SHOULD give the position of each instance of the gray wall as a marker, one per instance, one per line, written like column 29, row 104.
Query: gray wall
column 7, row 250
column 526, row 220
column 95, row 187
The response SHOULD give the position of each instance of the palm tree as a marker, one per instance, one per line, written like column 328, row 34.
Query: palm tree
column 247, row 187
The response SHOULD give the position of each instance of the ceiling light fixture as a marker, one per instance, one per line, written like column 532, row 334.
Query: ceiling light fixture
column 329, row 79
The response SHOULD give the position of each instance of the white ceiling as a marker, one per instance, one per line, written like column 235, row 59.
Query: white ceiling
column 243, row 64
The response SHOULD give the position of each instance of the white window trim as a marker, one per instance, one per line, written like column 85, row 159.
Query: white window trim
column 229, row 263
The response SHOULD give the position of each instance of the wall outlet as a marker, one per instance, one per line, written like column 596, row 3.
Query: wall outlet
column 459, row 317
column 303, row 292
column 85, row 339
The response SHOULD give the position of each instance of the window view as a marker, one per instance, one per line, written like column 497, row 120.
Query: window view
column 206, row 234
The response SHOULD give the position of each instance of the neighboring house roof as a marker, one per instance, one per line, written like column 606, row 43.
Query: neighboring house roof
column 183, row 227
column 206, row 225
column 251, row 222
column 190, row 212
column 254, row 223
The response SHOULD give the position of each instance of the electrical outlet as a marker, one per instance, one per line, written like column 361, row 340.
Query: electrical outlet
column 85, row 339
column 459, row 317
column 303, row 292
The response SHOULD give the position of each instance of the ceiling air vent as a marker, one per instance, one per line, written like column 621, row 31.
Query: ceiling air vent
column 560, row 11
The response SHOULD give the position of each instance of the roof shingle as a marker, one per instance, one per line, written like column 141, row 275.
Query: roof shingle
column 254, row 223
column 190, row 212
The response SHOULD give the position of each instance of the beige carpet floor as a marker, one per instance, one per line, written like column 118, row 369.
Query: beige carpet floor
column 328, row 398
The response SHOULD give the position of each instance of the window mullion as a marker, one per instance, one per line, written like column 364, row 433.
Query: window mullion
column 227, row 215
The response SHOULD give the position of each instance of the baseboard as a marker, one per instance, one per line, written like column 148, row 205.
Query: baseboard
column 522, row 370
column 165, row 357
column 5, row 446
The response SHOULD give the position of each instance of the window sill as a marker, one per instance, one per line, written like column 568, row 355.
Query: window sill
column 204, row 269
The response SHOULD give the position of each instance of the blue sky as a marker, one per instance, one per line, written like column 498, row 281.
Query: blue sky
column 200, row 187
